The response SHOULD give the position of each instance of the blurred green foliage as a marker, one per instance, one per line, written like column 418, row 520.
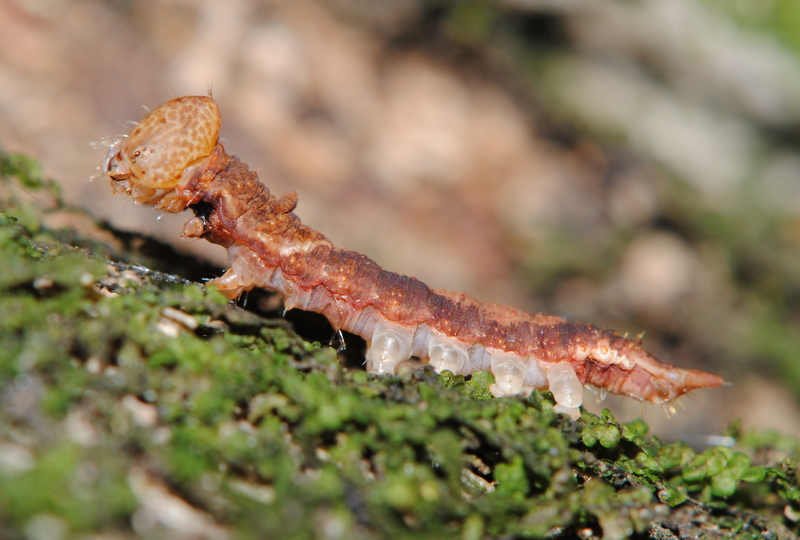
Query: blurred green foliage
column 778, row 18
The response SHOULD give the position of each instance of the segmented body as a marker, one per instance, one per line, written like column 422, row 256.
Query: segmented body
column 173, row 160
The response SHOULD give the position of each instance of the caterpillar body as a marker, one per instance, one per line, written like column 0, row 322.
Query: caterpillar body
column 173, row 160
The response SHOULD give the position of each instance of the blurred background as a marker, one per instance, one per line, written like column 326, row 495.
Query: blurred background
column 635, row 165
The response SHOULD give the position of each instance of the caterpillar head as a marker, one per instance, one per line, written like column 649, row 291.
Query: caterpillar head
column 164, row 146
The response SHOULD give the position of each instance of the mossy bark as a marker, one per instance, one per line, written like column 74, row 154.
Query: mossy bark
column 135, row 403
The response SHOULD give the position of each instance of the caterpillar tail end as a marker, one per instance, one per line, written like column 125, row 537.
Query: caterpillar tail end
column 660, row 383
column 692, row 379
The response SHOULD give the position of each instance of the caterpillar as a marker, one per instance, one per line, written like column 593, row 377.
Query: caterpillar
column 173, row 160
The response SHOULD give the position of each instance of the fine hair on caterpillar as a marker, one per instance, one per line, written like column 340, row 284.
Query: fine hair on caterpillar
column 173, row 160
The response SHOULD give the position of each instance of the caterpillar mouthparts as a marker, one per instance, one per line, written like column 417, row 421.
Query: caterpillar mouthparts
column 173, row 160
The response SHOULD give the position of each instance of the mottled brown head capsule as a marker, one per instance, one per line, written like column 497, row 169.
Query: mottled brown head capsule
column 170, row 140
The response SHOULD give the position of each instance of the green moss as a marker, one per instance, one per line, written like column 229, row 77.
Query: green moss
column 268, row 435
column 478, row 385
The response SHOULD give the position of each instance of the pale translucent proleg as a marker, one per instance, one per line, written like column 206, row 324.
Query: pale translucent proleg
column 535, row 377
column 509, row 374
column 390, row 345
column 566, row 388
column 228, row 284
column 446, row 356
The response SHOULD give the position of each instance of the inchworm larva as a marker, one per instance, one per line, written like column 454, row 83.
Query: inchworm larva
column 172, row 160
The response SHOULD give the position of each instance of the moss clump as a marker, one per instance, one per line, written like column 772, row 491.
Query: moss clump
column 126, row 394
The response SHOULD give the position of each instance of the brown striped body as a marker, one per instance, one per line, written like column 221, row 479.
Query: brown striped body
column 399, row 316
